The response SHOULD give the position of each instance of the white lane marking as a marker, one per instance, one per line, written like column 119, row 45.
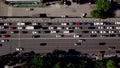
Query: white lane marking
column 60, row 38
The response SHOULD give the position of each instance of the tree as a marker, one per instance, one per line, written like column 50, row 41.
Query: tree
column 70, row 65
column 57, row 65
column 110, row 64
column 61, row 2
column 99, row 64
column 97, row 14
column 103, row 5
column 37, row 62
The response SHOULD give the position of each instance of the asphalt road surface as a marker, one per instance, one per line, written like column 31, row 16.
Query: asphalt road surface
column 90, row 46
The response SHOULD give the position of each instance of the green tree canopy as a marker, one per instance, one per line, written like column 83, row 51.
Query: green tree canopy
column 57, row 65
column 99, row 64
column 110, row 64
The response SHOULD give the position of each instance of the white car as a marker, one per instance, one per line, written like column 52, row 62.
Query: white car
column 19, row 49
column 20, row 27
column 100, row 27
column 1, row 27
column 103, row 32
column 66, row 31
column 59, row 35
column 117, row 22
column 59, row 28
column 34, row 32
column 34, row 24
column 6, row 24
column 117, row 27
column 53, row 31
column 51, row 27
column 98, row 23
column 94, row 32
column 63, row 23
column 76, row 36
column 4, row 40
column 20, row 23
column 111, row 31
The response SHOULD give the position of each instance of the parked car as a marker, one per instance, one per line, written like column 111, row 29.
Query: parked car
column 91, row 27
column 14, row 32
column 77, row 28
column 81, row 40
column 54, row 31
column 4, row 40
column 23, row 32
column 36, row 36
column 7, row 24
column 77, row 44
column 36, row 32
column 112, row 48
column 19, row 49
column 102, row 43
column 85, row 31
column 0, row 45
column 3, row 32
column 43, row 44
column 93, row 35
column 59, row 35
column 77, row 36
column 98, row 23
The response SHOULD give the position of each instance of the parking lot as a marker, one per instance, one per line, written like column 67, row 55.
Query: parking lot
column 44, row 35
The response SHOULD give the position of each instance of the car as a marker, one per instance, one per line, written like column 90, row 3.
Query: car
column 106, row 23
column 72, row 23
column 35, row 23
column 111, row 47
column 77, row 44
column 0, row 45
column 83, row 15
column 3, row 27
column 101, row 27
column 68, row 31
column 111, row 31
column 81, row 40
column 109, row 27
column 7, row 24
column 1, row 24
column 118, row 35
column 54, row 31
column 48, row 31
column 11, row 28
column 3, row 32
column 117, row 27
column 36, row 36
column 101, row 52
column 44, row 28
column 64, row 16
column 64, row 24
column 104, row 35
column 37, row 26
column 103, row 32
column 43, row 44
column 59, row 35
column 23, row 32
column 20, row 23
column 77, row 36
column 117, row 22
column 5, row 36
column 28, row 23
column 20, row 27
column 78, row 24
column 14, row 32
column 93, row 35
column 98, row 23
column 4, row 40
column 51, row 27
column 94, row 32
column 70, row 28
column 102, row 43
column 19, row 49
column 59, row 28
column 112, row 35
column 91, row 27
column 77, row 28
column 36, row 32
column 49, row 23
column 85, row 31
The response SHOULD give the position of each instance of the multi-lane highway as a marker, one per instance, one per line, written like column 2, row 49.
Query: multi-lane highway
column 93, row 31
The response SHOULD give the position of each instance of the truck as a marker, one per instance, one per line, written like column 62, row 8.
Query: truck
column 29, row 27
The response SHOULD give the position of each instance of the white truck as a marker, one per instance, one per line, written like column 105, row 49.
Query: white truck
column 29, row 27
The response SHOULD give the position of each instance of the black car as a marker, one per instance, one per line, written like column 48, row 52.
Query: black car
column 91, row 27
column 36, row 36
column 49, row 23
column 44, row 27
column 112, row 35
column 37, row 27
column 93, row 35
column 3, row 32
column 14, row 32
column 0, row 45
column 102, row 43
column 43, row 44
column 1, row 23
column 85, row 31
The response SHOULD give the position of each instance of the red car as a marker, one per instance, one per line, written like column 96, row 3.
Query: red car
column 10, row 28
column 77, row 23
column 3, row 36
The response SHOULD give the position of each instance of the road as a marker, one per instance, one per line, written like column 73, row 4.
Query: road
column 90, row 46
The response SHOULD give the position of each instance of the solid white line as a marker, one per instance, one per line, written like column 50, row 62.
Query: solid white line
column 59, row 38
